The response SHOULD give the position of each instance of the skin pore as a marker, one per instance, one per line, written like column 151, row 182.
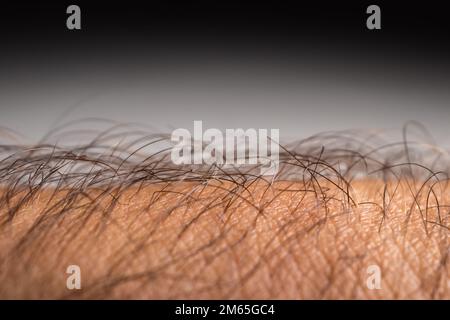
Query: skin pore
column 141, row 227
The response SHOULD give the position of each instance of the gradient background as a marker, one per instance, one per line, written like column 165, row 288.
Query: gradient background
column 302, row 68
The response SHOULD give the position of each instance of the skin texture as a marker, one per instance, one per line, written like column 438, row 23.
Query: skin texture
column 219, row 240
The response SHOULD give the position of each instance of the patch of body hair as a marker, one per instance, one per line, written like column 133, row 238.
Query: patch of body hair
column 141, row 227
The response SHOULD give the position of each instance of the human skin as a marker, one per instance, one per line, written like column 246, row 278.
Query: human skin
column 220, row 240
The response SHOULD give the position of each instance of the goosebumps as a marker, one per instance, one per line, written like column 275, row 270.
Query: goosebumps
column 342, row 219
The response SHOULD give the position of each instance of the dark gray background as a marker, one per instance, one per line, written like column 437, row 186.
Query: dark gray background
column 300, row 69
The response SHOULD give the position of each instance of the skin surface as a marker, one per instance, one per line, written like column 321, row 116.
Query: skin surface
column 219, row 240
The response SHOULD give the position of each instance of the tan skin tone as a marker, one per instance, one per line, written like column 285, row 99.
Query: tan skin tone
column 216, row 240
